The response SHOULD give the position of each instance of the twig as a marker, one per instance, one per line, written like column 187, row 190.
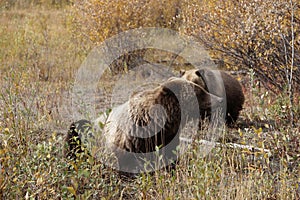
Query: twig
column 228, row 145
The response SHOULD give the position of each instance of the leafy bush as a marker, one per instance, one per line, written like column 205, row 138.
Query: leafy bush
column 99, row 20
column 259, row 35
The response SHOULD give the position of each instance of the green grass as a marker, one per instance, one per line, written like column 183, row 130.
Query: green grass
column 38, row 61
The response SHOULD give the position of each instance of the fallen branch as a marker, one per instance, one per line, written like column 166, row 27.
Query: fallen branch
column 227, row 145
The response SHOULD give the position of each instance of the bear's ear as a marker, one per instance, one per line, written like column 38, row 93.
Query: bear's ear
column 199, row 72
column 164, row 91
column 181, row 72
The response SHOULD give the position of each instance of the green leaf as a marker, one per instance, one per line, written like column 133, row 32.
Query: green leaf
column 71, row 190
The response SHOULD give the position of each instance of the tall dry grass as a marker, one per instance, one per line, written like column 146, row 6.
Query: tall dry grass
column 38, row 59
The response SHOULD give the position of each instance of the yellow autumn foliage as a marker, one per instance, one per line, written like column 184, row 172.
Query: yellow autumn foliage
column 101, row 19
column 262, row 35
column 253, row 34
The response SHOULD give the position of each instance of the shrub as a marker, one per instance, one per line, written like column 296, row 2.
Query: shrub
column 98, row 20
column 259, row 35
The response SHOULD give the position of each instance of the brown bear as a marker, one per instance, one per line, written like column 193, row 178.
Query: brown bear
column 149, row 123
column 215, row 81
column 153, row 118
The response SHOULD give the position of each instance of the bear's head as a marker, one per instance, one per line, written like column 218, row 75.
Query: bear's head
column 194, row 75
column 190, row 94
column 210, row 80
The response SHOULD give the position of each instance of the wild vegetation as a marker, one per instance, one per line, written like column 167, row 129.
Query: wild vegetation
column 44, row 42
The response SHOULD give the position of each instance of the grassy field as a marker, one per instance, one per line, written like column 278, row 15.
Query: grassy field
column 39, row 56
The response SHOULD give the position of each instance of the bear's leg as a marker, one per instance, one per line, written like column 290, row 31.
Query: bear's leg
column 232, row 117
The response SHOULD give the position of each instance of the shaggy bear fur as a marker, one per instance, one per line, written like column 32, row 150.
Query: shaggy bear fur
column 212, row 81
column 152, row 119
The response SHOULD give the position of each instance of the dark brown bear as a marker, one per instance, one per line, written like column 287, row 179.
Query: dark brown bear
column 215, row 81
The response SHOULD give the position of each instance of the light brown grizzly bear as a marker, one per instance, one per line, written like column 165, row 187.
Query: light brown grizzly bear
column 153, row 118
column 215, row 81
column 149, row 124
